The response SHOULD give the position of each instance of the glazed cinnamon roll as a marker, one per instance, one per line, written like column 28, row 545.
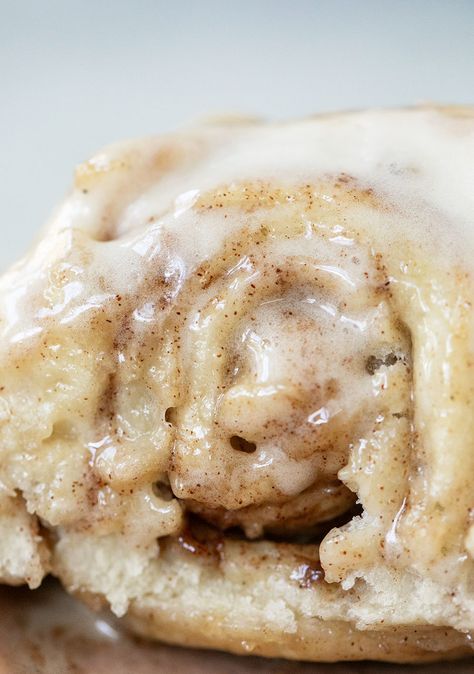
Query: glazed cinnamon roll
column 237, row 388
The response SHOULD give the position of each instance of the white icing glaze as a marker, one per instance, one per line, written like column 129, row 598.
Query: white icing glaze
column 418, row 159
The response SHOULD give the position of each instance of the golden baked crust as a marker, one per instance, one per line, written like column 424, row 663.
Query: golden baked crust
column 237, row 386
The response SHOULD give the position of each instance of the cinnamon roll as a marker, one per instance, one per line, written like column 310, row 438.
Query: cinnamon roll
column 237, row 388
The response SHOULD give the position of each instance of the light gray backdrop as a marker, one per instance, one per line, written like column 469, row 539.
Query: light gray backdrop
column 75, row 75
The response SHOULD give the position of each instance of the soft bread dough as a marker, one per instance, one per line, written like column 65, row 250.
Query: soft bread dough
column 237, row 391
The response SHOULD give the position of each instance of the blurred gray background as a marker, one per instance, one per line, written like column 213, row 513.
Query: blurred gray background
column 75, row 75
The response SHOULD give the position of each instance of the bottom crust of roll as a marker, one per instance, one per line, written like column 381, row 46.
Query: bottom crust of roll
column 255, row 598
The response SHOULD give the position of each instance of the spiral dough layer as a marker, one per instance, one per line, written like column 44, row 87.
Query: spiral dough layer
column 236, row 394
